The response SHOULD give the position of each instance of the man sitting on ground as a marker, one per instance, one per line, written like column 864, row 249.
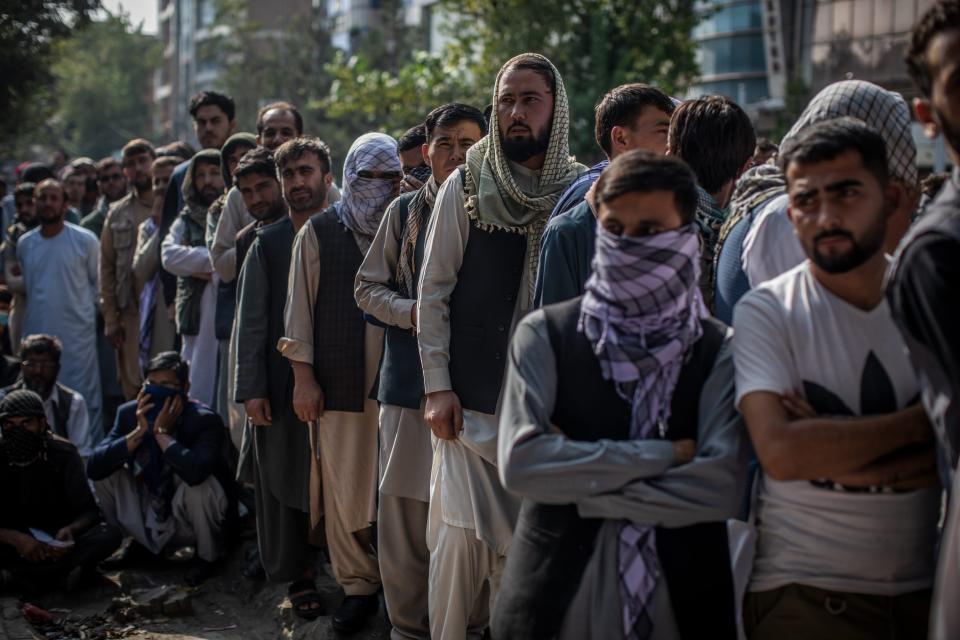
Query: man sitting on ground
column 64, row 408
column 50, row 527
column 162, row 474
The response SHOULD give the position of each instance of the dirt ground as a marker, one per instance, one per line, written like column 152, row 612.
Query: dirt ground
column 149, row 602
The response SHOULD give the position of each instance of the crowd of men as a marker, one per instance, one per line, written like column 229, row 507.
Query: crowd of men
column 707, row 387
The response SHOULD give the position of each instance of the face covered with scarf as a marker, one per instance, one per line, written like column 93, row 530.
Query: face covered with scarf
column 641, row 313
column 371, row 180
column 23, row 427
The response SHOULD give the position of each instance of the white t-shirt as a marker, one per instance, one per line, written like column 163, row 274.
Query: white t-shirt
column 793, row 334
column 770, row 247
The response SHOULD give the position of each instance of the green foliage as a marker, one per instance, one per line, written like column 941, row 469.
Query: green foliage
column 103, row 87
column 595, row 44
column 29, row 31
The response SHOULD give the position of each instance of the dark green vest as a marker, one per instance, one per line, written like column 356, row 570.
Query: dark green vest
column 190, row 289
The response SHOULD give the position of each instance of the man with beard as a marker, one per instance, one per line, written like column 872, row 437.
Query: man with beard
column 923, row 288
column 157, row 330
column 80, row 183
column 386, row 288
column 118, row 291
column 65, row 409
column 479, row 266
column 849, row 499
column 184, row 254
column 623, row 529
column 112, row 185
column 60, row 264
column 280, row 451
column 50, row 525
column 334, row 354
column 26, row 219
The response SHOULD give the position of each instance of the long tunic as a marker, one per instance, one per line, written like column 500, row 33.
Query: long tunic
column 464, row 488
column 200, row 351
column 355, row 464
column 635, row 480
column 60, row 275
column 405, row 448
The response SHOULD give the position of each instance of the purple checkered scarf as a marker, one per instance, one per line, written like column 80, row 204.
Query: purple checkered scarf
column 641, row 312
column 363, row 200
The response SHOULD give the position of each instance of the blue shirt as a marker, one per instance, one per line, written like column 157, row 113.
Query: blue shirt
column 576, row 190
column 566, row 251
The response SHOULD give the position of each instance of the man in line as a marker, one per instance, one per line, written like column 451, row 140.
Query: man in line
column 715, row 137
column 45, row 491
column 477, row 279
column 112, row 185
column 64, row 408
column 656, row 460
column 922, row 290
column 409, row 145
column 828, row 394
column 280, row 452
column 631, row 116
column 80, row 183
column 162, row 474
column 184, row 254
column 118, row 291
column 770, row 247
column 26, row 219
column 157, row 330
column 334, row 355
column 60, row 263
column 386, row 288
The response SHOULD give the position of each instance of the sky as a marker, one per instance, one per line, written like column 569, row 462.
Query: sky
column 140, row 11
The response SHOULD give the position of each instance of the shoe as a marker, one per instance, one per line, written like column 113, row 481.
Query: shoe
column 354, row 611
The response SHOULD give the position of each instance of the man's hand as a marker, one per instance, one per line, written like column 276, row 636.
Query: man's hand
column 307, row 399
column 115, row 335
column 914, row 467
column 203, row 275
column 29, row 548
column 135, row 437
column 797, row 407
column 444, row 414
column 684, row 450
column 258, row 410
column 168, row 416
column 410, row 183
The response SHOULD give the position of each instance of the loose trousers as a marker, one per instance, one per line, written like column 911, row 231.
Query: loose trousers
column 128, row 355
column 404, row 564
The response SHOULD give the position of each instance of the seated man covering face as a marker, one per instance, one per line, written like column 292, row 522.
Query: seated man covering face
column 619, row 431
column 162, row 473
column 50, row 527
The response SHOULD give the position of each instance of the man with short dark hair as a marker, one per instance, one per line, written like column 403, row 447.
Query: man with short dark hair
column 476, row 282
column 50, row 525
column 278, row 122
column 765, row 152
column 386, row 288
column 280, row 453
column 80, row 183
column 409, row 145
column 715, row 137
column 849, row 500
column 60, row 263
column 162, row 474
column 631, row 116
column 119, row 297
column 334, row 353
column 112, row 185
column 65, row 409
column 184, row 254
column 26, row 219
column 922, row 289
column 623, row 528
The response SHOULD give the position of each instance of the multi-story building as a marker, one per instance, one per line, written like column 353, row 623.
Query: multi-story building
column 188, row 32
column 758, row 51
column 350, row 19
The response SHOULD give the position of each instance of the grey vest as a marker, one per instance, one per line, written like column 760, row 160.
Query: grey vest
column 190, row 289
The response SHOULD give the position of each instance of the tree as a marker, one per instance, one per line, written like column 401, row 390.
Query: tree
column 595, row 44
column 29, row 31
column 103, row 87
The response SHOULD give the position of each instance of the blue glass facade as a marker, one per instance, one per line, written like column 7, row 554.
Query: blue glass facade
column 731, row 51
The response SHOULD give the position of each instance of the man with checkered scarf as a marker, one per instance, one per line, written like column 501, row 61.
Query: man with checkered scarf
column 476, row 282
column 335, row 355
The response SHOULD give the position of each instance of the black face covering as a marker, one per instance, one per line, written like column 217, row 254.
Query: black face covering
column 22, row 446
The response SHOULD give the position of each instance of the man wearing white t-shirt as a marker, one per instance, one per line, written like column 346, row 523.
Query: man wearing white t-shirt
column 849, row 500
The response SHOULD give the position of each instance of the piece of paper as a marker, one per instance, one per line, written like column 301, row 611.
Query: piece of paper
column 46, row 538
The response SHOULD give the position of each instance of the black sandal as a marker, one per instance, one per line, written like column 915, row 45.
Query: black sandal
column 306, row 600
